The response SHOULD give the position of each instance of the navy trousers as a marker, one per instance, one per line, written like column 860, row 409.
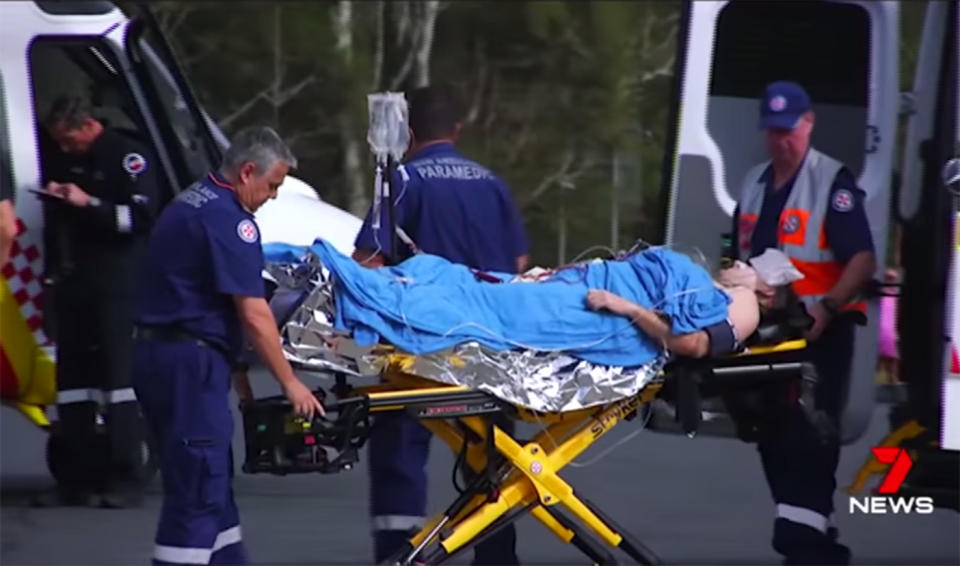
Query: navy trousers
column 800, row 463
column 398, row 452
column 183, row 389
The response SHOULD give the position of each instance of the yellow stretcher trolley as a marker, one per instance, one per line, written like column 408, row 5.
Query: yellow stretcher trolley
column 515, row 476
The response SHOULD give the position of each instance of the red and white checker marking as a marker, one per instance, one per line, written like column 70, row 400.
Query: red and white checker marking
column 23, row 273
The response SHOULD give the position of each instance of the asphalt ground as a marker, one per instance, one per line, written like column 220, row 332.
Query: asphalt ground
column 693, row 501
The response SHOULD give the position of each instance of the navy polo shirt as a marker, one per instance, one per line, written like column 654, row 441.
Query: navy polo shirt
column 846, row 225
column 204, row 248
column 452, row 207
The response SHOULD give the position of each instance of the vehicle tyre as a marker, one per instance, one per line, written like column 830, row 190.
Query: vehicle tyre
column 69, row 470
column 150, row 462
column 64, row 466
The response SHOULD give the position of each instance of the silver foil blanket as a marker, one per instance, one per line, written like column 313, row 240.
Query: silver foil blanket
column 540, row 381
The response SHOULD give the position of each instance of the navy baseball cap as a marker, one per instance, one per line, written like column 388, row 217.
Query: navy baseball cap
column 783, row 104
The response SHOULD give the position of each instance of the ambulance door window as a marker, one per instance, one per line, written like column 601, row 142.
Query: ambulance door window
column 824, row 46
column 86, row 67
column 194, row 151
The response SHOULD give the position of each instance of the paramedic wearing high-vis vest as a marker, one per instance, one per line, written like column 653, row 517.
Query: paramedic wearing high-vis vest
column 102, row 199
column 200, row 291
column 452, row 207
column 807, row 204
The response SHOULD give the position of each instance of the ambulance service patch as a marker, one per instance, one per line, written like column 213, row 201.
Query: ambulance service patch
column 247, row 231
column 134, row 163
column 842, row 200
column 791, row 224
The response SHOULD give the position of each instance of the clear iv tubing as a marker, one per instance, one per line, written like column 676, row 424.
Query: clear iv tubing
column 620, row 442
column 377, row 202
column 521, row 345
column 603, row 454
column 377, row 197
column 617, row 444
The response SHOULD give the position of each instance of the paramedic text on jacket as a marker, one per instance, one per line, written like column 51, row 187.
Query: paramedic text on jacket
column 453, row 207
column 199, row 290
column 807, row 204
column 100, row 198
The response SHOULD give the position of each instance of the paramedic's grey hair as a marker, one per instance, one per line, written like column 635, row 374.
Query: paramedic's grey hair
column 261, row 146
column 71, row 111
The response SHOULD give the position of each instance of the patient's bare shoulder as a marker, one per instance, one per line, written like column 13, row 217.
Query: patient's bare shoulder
column 744, row 311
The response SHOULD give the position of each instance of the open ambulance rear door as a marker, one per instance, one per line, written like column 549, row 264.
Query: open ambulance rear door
column 846, row 56
column 950, row 401
column 927, row 208
column 927, row 212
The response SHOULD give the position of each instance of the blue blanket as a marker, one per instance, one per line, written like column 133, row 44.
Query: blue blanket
column 427, row 304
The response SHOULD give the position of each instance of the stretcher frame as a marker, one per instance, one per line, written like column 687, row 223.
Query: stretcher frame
column 513, row 477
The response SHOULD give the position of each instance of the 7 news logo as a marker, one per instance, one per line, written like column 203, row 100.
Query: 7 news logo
column 885, row 501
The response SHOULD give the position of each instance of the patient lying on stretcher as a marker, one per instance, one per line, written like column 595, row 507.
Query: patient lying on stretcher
column 427, row 304
column 563, row 340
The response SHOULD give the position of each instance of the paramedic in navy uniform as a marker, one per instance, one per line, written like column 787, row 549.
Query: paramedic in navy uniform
column 808, row 205
column 102, row 198
column 200, row 291
column 449, row 206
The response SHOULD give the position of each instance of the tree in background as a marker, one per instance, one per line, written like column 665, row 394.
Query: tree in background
column 567, row 101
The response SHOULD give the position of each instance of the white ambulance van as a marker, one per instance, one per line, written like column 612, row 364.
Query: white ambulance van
column 123, row 63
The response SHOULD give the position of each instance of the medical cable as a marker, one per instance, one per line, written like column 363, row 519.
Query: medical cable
column 376, row 214
column 591, row 248
column 622, row 441
column 495, row 335
column 517, row 344
column 604, row 453
column 631, row 325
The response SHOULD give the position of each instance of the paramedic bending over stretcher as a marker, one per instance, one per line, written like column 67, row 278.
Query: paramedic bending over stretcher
column 715, row 340
column 459, row 210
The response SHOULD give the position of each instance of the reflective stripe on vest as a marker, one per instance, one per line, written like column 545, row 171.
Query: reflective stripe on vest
column 800, row 230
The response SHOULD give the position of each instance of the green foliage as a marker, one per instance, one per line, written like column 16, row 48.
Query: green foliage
column 567, row 101
column 552, row 89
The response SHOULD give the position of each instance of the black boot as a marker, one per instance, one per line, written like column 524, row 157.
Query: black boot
column 801, row 544
column 120, row 488
column 119, row 500
column 123, row 479
column 62, row 496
